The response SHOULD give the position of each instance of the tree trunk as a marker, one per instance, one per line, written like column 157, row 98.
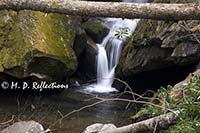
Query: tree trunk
column 153, row 124
column 108, row 9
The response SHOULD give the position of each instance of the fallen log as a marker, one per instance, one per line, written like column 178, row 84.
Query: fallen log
column 156, row 11
column 153, row 124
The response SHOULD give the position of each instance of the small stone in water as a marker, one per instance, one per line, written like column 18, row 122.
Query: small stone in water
column 99, row 127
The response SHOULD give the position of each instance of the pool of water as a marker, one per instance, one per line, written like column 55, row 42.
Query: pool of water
column 49, row 109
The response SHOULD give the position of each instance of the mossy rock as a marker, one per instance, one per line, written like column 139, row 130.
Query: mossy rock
column 27, row 35
column 180, row 40
column 170, row 32
column 95, row 29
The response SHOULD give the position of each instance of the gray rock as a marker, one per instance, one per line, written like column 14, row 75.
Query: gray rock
column 80, row 43
column 99, row 127
column 178, row 46
column 186, row 49
column 107, row 127
column 87, row 61
column 24, row 127
column 142, row 59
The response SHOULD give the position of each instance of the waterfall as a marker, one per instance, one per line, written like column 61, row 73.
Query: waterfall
column 109, row 52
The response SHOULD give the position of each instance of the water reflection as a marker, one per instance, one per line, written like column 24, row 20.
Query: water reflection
column 49, row 109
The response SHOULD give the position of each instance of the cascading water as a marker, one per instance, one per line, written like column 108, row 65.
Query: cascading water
column 109, row 52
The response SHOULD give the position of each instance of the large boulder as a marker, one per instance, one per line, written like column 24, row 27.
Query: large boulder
column 34, row 43
column 160, row 44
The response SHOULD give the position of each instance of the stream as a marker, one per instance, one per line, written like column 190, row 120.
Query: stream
column 50, row 108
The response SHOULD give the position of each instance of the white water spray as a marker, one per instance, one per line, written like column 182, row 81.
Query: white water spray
column 109, row 52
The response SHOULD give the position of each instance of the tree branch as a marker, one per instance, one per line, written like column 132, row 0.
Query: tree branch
column 156, row 123
column 108, row 9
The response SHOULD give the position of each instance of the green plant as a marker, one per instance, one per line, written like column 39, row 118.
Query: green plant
column 188, row 104
column 122, row 33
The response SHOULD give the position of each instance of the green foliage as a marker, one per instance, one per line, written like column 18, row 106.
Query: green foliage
column 190, row 110
column 122, row 33
column 189, row 122
column 145, row 40
column 188, row 105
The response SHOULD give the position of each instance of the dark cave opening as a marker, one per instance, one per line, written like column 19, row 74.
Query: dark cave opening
column 153, row 80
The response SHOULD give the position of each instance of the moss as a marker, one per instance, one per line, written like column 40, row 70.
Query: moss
column 1, row 68
column 13, row 47
column 53, row 37
column 151, row 29
column 169, row 32
column 94, row 26
column 22, row 33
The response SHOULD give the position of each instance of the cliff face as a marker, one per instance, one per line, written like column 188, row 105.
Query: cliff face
column 160, row 44
column 37, row 43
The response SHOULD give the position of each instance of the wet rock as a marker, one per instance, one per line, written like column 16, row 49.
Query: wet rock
column 95, row 29
column 87, row 61
column 144, row 59
column 186, row 49
column 198, row 66
column 98, row 127
column 24, row 127
column 160, row 44
column 80, row 43
column 29, row 37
